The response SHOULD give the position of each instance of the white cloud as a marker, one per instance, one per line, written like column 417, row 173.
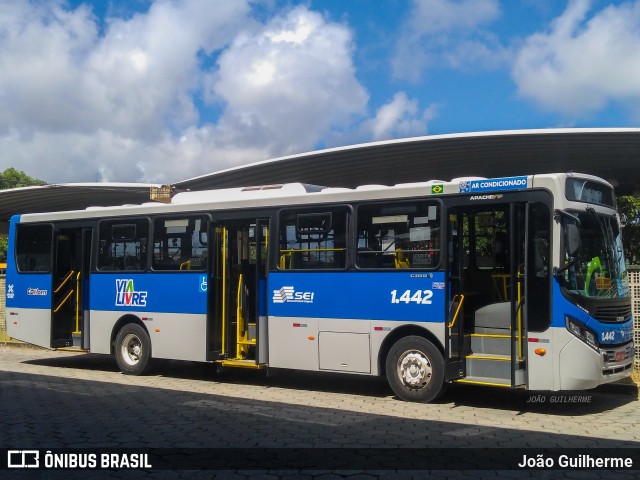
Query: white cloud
column 444, row 16
column 400, row 117
column 583, row 62
column 74, row 102
column 448, row 32
column 287, row 85
column 125, row 103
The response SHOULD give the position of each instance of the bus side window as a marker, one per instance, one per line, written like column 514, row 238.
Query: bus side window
column 123, row 245
column 311, row 240
column 180, row 244
column 33, row 248
column 399, row 235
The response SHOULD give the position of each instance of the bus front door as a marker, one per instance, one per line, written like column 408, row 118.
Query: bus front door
column 237, row 299
column 69, row 312
column 486, row 334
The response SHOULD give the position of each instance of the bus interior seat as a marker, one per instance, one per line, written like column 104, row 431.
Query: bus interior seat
column 401, row 259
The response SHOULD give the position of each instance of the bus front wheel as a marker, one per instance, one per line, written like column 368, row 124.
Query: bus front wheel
column 415, row 369
column 133, row 350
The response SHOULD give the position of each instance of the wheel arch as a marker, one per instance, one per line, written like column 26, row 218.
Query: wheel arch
column 401, row 332
column 122, row 321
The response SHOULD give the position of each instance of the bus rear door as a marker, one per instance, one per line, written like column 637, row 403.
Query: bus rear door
column 237, row 302
column 69, row 312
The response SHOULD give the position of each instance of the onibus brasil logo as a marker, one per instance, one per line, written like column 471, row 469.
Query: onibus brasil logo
column 127, row 296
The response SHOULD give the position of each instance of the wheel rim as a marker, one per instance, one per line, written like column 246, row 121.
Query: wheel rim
column 131, row 349
column 414, row 369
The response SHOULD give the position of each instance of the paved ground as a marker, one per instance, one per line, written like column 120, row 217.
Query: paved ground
column 77, row 401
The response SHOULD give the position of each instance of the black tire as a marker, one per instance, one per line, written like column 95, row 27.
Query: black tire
column 415, row 369
column 133, row 350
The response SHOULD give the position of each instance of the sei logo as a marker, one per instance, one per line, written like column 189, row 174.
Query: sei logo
column 420, row 297
column 289, row 295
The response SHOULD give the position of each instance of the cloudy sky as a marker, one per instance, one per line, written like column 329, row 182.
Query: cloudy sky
column 164, row 90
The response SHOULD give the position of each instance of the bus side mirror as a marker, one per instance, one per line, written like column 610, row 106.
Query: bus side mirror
column 573, row 239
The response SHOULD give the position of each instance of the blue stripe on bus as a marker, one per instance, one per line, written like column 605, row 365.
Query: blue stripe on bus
column 32, row 290
column 606, row 333
column 403, row 296
column 149, row 292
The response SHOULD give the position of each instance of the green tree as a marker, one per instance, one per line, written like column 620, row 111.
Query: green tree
column 12, row 178
column 629, row 208
column 3, row 249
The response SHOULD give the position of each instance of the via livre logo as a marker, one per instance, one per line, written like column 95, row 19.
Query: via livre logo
column 127, row 296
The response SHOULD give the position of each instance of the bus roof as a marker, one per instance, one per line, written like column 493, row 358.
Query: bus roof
column 300, row 194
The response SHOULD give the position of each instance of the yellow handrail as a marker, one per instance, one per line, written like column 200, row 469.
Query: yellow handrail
column 287, row 254
column 291, row 250
column 66, row 279
column 239, row 319
column 77, row 330
column 455, row 316
column 63, row 301
column 283, row 261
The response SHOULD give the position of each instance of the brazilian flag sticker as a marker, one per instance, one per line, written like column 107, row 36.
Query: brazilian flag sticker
column 437, row 188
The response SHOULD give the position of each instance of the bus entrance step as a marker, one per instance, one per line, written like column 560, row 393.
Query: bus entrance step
column 241, row 364
column 489, row 366
column 73, row 349
column 490, row 381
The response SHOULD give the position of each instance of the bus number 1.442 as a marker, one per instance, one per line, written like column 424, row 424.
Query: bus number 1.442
column 421, row 297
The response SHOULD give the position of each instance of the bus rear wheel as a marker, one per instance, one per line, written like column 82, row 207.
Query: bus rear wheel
column 415, row 369
column 133, row 350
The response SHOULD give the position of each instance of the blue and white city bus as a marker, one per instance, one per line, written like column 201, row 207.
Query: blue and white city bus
column 515, row 282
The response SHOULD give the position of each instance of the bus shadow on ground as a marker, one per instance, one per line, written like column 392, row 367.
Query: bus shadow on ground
column 105, row 414
column 565, row 403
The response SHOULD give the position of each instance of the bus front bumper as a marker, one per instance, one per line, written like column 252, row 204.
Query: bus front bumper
column 582, row 368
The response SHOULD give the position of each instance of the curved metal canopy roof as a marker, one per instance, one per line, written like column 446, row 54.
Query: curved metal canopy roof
column 70, row 196
column 613, row 154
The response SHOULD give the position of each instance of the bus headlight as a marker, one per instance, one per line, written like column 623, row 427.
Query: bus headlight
column 582, row 332
column 590, row 338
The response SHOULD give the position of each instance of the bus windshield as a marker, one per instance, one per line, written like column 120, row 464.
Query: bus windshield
column 598, row 269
